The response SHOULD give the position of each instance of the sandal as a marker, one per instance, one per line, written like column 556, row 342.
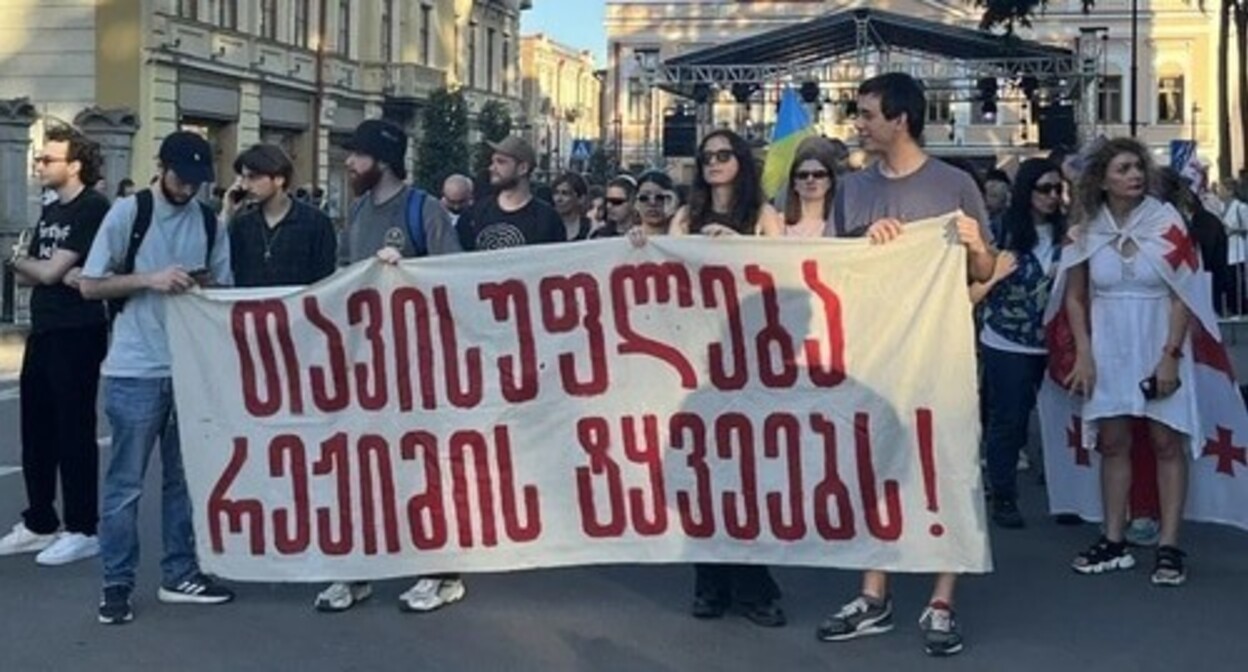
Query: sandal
column 1104, row 556
column 1168, row 569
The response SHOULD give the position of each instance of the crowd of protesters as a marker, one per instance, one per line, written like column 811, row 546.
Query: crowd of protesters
column 97, row 268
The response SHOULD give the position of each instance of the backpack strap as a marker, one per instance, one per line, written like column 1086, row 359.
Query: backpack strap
column 210, row 232
column 416, row 221
column 138, row 231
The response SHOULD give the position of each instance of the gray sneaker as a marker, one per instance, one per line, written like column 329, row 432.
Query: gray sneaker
column 861, row 617
column 940, row 631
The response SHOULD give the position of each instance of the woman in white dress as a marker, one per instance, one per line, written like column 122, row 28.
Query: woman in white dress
column 1129, row 280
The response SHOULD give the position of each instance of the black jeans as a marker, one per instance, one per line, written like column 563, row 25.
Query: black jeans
column 743, row 584
column 60, row 381
column 1011, row 381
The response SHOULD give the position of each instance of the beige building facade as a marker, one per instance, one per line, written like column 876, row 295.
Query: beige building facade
column 1177, row 59
column 300, row 73
column 561, row 96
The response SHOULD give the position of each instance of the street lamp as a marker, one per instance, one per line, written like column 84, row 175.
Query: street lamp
column 1135, row 66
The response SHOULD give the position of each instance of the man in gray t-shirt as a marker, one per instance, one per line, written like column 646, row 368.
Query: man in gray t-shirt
column 904, row 184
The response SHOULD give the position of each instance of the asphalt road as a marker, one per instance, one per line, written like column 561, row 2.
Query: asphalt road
column 1032, row 614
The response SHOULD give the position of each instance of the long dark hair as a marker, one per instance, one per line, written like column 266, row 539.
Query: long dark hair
column 1020, row 230
column 813, row 149
column 747, row 189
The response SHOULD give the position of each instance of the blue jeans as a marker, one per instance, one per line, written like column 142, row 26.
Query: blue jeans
column 1011, row 381
column 141, row 412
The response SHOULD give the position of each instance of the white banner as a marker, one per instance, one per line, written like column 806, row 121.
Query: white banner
column 745, row 400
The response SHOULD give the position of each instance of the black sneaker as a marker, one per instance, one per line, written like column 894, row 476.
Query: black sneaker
column 1005, row 514
column 861, row 617
column 1104, row 556
column 765, row 614
column 940, row 631
column 115, row 606
column 709, row 606
column 198, row 589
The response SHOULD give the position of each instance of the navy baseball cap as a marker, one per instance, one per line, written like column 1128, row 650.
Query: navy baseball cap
column 189, row 156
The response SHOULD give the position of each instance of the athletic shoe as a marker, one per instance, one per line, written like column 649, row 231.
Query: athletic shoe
column 115, row 606
column 198, row 589
column 1103, row 556
column 22, row 540
column 342, row 596
column 1005, row 514
column 431, row 594
column 861, row 617
column 765, row 614
column 940, row 630
column 709, row 606
column 71, row 547
column 1169, row 569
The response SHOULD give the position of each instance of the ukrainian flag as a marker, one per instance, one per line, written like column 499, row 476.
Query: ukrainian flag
column 792, row 126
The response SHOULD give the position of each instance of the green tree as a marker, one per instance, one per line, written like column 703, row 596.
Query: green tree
column 1011, row 13
column 444, row 146
column 494, row 122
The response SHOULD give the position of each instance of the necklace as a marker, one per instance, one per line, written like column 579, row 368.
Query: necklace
column 269, row 240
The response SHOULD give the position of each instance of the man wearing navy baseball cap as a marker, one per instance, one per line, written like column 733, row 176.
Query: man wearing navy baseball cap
column 159, row 242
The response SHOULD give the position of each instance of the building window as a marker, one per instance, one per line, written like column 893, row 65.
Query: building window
column 268, row 19
column 490, row 34
column 939, row 107
column 303, row 24
column 387, row 33
column 188, row 9
column 344, row 27
column 426, row 17
column 506, row 67
column 636, row 100
column 1170, row 100
column 1109, row 100
column 227, row 14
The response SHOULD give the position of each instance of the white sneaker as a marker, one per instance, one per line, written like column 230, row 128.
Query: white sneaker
column 22, row 540
column 430, row 594
column 70, row 547
column 343, row 596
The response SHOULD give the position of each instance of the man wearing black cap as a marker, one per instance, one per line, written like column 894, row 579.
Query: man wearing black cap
column 513, row 218
column 160, row 241
column 390, row 218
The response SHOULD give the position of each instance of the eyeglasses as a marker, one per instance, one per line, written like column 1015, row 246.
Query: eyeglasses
column 1048, row 189
column 655, row 198
column 616, row 201
column 803, row 175
column 717, row 156
column 45, row 160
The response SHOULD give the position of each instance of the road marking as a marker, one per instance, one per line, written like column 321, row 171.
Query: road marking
column 5, row 471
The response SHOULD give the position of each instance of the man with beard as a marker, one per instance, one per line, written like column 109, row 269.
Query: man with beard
column 383, row 220
column 157, row 243
column 392, row 220
column 277, row 241
column 513, row 218
column 61, row 364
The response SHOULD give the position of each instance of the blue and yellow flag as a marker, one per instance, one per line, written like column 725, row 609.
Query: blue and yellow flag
column 792, row 126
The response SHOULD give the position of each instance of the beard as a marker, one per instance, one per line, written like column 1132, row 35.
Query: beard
column 362, row 183
column 505, row 183
column 172, row 198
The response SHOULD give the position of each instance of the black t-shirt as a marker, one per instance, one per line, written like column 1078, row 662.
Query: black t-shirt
column 536, row 223
column 71, row 227
column 300, row 250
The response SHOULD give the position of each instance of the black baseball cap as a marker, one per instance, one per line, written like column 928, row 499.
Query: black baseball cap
column 189, row 156
column 382, row 140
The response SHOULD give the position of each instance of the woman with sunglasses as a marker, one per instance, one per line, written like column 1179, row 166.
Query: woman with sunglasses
column 1012, row 341
column 621, row 211
column 656, row 202
column 568, row 196
column 727, row 196
column 812, row 186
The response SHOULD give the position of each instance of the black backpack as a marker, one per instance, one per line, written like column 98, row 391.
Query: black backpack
column 143, row 222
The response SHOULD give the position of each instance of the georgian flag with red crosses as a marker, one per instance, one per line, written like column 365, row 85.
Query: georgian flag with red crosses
column 1218, row 491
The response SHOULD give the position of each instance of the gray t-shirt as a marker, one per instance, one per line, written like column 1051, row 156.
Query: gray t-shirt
column 935, row 189
column 139, row 347
column 374, row 226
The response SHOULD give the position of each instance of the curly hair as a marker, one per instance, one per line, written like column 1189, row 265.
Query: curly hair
column 83, row 150
column 1090, row 191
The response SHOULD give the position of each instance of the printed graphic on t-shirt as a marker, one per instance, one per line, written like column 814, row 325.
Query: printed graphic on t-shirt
column 50, row 238
column 500, row 236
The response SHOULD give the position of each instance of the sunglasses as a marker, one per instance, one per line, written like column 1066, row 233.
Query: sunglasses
column 803, row 175
column 616, row 201
column 717, row 156
column 45, row 160
column 1049, row 189
column 656, row 198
